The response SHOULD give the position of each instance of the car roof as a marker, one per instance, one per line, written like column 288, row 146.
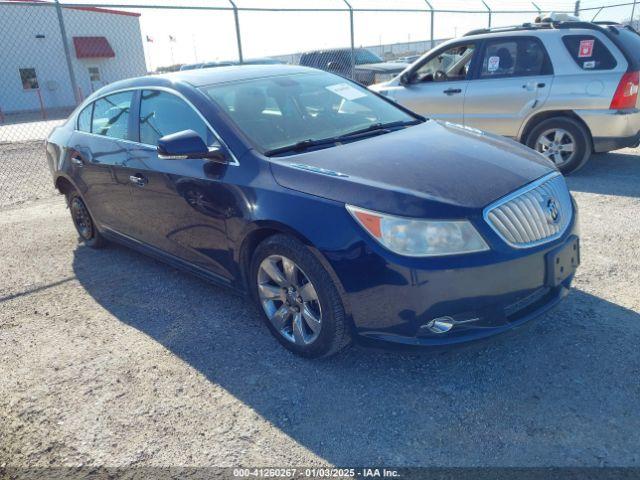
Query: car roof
column 207, row 76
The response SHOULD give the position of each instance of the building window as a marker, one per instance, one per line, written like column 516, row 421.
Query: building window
column 28, row 78
column 94, row 74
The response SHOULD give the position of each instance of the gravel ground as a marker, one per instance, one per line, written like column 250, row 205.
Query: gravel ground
column 24, row 173
column 111, row 358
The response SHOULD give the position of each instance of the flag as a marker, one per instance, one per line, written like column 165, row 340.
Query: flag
column 172, row 38
column 149, row 39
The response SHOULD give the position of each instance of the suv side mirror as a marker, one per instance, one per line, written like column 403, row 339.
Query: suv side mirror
column 187, row 144
column 407, row 78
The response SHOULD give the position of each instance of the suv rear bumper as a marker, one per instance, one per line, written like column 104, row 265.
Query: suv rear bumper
column 612, row 129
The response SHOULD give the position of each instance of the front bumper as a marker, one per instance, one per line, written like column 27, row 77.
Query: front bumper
column 485, row 295
column 612, row 129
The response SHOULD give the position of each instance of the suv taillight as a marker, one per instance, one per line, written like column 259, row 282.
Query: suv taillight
column 627, row 92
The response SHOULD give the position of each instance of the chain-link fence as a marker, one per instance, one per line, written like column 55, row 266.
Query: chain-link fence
column 54, row 54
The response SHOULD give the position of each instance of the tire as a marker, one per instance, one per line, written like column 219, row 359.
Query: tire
column 331, row 333
column 574, row 132
column 82, row 220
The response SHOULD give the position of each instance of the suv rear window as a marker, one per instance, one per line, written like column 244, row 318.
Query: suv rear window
column 631, row 41
column 589, row 53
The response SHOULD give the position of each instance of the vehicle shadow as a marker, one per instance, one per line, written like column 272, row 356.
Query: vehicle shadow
column 609, row 174
column 559, row 392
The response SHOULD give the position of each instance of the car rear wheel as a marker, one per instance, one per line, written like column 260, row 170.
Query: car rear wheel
column 302, row 306
column 83, row 222
column 562, row 140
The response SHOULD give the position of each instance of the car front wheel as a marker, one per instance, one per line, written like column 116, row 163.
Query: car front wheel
column 301, row 304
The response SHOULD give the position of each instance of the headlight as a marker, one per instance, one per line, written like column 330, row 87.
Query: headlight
column 420, row 238
column 384, row 77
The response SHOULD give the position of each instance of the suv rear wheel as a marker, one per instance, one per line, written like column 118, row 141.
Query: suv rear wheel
column 562, row 140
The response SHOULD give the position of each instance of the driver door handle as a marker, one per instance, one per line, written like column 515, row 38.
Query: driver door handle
column 138, row 180
column 77, row 160
column 452, row 91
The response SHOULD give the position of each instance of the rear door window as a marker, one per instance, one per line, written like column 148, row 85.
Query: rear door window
column 111, row 116
column 589, row 53
column 514, row 57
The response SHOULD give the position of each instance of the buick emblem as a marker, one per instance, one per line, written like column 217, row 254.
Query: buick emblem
column 552, row 211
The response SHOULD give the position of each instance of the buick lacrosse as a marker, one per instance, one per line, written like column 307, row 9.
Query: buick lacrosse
column 345, row 216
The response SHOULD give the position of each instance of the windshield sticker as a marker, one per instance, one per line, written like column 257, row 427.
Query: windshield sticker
column 494, row 64
column 586, row 48
column 589, row 64
column 346, row 91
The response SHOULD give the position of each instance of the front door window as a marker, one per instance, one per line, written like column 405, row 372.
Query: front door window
column 449, row 65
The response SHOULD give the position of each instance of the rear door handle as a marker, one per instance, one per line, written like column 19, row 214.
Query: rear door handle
column 139, row 180
column 77, row 160
column 452, row 91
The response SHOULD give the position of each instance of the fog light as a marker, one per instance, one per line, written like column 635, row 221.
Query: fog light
column 440, row 324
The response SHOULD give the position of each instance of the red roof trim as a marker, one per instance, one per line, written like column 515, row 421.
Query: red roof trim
column 93, row 47
column 86, row 9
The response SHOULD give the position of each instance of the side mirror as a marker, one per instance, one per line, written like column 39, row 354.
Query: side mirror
column 407, row 78
column 333, row 67
column 187, row 144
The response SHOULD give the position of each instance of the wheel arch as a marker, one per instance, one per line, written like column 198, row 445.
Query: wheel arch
column 535, row 119
column 258, row 232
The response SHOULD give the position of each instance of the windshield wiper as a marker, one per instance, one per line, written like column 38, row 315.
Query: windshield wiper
column 375, row 128
column 302, row 145
column 379, row 128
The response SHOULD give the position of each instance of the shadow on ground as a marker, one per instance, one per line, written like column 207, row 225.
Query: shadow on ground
column 609, row 174
column 560, row 392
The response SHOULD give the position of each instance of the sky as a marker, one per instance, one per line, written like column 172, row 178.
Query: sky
column 209, row 35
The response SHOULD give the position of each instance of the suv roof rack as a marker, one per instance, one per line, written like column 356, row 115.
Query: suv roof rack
column 600, row 26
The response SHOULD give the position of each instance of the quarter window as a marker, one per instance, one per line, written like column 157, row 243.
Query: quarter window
column 84, row 119
column 589, row 53
column 162, row 113
column 111, row 116
column 518, row 57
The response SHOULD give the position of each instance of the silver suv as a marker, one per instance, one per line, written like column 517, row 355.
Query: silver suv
column 564, row 88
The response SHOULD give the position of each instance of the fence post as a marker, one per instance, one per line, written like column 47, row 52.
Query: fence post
column 353, row 45
column 633, row 11
column 488, row 10
column 431, row 29
column 67, row 52
column 236, row 17
column 576, row 10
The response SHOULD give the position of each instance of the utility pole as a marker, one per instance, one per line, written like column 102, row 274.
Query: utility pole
column 67, row 53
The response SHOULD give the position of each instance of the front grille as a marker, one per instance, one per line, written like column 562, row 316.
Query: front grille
column 535, row 214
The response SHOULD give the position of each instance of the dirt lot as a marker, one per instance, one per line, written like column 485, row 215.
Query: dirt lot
column 111, row 358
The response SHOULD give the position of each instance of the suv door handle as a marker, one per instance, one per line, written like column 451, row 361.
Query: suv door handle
column 452, row 91
column 77, row 160
column 138, row 179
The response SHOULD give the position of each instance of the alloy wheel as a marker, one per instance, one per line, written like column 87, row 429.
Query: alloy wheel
column 558, row 145
column 81, row 218
column 289, row 300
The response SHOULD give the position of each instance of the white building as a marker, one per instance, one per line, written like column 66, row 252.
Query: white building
column 104, row 45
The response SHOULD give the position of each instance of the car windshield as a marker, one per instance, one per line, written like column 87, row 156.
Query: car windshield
column 280, row 111
column 365, row 56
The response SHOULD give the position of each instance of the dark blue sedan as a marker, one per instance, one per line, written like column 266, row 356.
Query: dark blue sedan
column 344, row 215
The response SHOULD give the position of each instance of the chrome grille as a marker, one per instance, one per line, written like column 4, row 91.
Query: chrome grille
column 535, row 214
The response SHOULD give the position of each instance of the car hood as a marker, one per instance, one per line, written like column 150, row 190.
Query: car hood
column 433, row 169
column 385, row 67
